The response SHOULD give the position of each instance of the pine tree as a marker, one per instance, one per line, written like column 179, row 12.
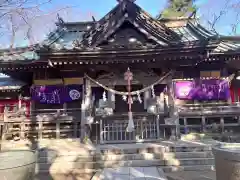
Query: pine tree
column 178, row 8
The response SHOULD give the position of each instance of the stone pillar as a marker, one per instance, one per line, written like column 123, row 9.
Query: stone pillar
column 147, row 95
column 227, row 161
column 222, row 124
column 101, row 131
column 239, row 120
column 57, row 130
column 40, row 128
column 203, row 124
column 173, row 134
column 185, row 125
column 32, row 107
column 158, row 130
column 64, row 108
column 111, row 98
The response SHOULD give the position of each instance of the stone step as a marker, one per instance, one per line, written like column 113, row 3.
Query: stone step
column 65, row 166
column 132, row 163
column 189, row 161
column 70, row 158
column 168, row 169
column 162, row 156
column 158, row 162
column 157, row 149
column 181, row 155
column 64, row 171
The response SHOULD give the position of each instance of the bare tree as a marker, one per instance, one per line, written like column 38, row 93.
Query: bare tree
column 20, row 16
column 229, row 10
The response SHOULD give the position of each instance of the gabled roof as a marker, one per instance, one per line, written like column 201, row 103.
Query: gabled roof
column 190, row 30
column 129, row 11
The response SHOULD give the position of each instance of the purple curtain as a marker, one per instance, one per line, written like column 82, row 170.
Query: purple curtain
column 56, row 94
column 212, row 89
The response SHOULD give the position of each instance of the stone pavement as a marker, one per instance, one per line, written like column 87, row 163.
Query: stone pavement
column 132, row 173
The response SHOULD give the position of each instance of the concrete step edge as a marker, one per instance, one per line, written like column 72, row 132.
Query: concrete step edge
column 179, row 159
column 187, row 168
column 76, row 170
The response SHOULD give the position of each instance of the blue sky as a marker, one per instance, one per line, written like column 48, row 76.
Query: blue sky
column 81, row 10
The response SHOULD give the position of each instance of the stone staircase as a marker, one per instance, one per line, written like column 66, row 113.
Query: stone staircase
column 170, row 157
column 63, row 160
column 60, row 159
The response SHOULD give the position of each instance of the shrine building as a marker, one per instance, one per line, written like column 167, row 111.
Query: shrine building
column 128, row 76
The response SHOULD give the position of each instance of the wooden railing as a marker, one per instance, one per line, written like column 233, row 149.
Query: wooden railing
column 209, row 109
column 43, row 124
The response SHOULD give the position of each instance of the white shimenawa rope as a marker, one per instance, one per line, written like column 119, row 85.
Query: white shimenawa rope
column 133, row 92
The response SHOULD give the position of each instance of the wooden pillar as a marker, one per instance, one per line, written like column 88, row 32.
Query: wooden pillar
column 85, row 105
column 82, row 132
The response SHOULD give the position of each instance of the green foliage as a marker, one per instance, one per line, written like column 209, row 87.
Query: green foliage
column 178, row 8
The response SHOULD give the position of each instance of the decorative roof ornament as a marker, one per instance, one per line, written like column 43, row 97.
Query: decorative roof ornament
column 60, row 20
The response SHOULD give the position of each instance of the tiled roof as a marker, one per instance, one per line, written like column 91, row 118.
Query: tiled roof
column 128, row 11
column 227, row 46
column 8, row 83
column 190, row 31
column 21, row 54
column 66, row 35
